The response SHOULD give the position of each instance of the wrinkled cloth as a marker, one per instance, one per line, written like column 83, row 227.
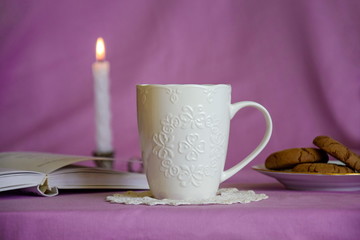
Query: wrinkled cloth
column 299, row 59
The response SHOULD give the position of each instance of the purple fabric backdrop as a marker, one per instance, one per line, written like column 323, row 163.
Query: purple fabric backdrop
column 300, row 59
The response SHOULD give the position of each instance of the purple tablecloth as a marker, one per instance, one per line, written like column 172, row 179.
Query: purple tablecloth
column 285, row 214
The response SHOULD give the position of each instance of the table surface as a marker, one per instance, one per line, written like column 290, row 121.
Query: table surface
column 286, row 214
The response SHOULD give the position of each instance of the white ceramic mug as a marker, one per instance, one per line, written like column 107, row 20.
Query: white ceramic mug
column 184, row 132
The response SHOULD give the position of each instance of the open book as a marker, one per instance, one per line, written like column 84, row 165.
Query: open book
column 46, row 173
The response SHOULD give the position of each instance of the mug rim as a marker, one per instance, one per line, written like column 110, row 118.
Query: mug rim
column 183, row 85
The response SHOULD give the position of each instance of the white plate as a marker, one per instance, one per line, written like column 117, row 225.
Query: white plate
column 313, row 181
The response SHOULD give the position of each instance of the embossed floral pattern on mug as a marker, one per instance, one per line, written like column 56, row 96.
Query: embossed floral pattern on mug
column 188, row 174
column 163, row 145
column 174, row 94
column 194, row 118
column 191, row 147
column 170, row 123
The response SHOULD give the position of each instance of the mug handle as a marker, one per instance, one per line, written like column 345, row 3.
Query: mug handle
column 234, row 108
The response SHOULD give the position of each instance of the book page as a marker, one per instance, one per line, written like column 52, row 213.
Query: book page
column 72, row 177
column 14, row 179
column 40, row 162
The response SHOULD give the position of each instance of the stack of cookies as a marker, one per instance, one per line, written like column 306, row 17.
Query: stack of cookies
column 315, row 160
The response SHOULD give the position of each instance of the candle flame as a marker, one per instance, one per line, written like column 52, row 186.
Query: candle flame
column 100, row 49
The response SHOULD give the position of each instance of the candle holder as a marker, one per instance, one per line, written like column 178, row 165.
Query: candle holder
column 108, row 164
column 135, row 164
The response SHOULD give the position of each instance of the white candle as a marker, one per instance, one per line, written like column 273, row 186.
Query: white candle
column 102, row 100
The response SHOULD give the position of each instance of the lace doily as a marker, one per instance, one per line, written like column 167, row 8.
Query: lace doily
column 223, row 196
